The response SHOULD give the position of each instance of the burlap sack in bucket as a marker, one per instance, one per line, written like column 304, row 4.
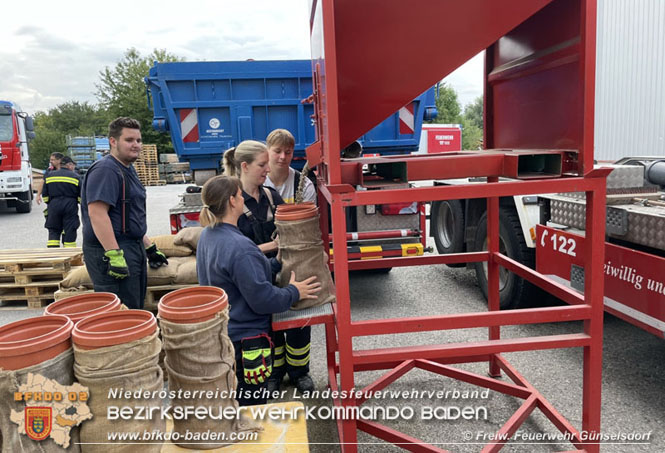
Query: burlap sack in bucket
column 302, row 251
column 200, row 358
column 58, row 369
column 129, row 367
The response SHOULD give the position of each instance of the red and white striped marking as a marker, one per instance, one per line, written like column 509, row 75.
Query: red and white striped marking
column 406, row 125
column 189, row 125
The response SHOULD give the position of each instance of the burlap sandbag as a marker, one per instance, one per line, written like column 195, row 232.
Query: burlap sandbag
column 166, row 275
column 130, row 366
column 165, row 243
column 77, row 277
column 187, row 272
column 200, row 357
column 302, row 251
column 60, row 370
column 188, row 236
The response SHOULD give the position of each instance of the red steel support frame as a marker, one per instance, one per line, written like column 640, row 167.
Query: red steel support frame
column 557, row 38
column 435, row 358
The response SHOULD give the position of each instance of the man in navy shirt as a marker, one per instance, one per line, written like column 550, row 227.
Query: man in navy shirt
column 113, row 207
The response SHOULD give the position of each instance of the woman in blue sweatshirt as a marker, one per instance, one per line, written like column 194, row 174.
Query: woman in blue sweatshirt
column 229, row 260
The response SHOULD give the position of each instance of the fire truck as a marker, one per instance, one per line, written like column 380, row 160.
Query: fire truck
column 16, row 129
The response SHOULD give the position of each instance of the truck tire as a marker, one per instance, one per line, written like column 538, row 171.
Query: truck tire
column 24, row 202
column 447, row 227
column 513, row 290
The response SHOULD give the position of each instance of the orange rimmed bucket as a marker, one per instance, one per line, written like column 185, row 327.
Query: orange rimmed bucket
column 113, row 328
column 191, row 305
column 298, row 211
column 82, row 306
column 34, row 340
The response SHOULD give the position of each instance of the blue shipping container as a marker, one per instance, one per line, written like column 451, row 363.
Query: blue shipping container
column 208, row 107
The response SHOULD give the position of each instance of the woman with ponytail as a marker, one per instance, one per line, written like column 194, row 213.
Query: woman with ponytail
column 249, row 162
column 229, row 260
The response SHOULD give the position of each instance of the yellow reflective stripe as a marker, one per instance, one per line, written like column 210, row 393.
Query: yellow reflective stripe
column 294, row 362
column 371, row 249
column 78, row 199
column 278, row 363
column 70, row 244
column 279, row 350
column 300, row 351
column 45, row 199
column 416, row 249
column 53, row 242
column 51, row 179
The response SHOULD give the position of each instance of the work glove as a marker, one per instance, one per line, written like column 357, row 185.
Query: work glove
column 256, row 359
column 117, row 266
column 155, row 257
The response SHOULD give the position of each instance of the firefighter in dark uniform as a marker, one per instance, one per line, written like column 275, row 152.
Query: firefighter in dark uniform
column 62, row 195
column 249, row 161
column 113, row 207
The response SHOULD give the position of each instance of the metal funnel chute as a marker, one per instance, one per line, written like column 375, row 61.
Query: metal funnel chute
column 373, row 56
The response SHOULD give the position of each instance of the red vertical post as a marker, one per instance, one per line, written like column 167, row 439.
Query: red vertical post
column 594, row 256
column 588, row 78
column 349, row 434
column 493, row 297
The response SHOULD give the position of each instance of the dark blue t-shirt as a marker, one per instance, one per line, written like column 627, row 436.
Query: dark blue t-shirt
column 103, row 182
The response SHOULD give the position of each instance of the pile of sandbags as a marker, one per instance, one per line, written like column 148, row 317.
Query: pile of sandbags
column 181, row 269
column 188, row 237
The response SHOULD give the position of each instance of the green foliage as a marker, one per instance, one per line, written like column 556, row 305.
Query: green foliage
column 472, row 122
column 450, row 112
column 122, row 92
column 71, row 118
column 447, row 105
column 474, row 112
column 472, row 135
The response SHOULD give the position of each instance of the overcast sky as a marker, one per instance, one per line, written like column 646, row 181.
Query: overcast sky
column 52, row 52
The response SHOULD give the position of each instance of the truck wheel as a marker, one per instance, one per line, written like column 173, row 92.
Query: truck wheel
column 513, row 290
column 447, row 227
column 201, row 176
column 24, row 202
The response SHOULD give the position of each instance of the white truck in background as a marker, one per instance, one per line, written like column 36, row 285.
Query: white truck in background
column 16, row 129
column 629, row 119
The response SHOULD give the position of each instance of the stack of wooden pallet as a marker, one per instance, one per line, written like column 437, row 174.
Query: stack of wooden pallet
column 33, row 275
column 177, row 173
column 172, row 170
column 147, row 166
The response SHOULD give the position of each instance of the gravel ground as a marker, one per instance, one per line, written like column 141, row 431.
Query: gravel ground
column 633, row 370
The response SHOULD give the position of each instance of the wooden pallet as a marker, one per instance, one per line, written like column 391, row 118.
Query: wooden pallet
column 157, row 182
column 33, row 275
column 176, row 178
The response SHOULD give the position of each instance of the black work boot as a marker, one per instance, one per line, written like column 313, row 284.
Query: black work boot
column 304, row 383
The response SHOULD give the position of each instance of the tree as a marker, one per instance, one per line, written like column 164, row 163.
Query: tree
column 75, row 118
column 447, row 105
column 47, row 140
column 472, row 135
column 122, row 92
column 472, row 121
column 474, row 112
column 52, row 127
